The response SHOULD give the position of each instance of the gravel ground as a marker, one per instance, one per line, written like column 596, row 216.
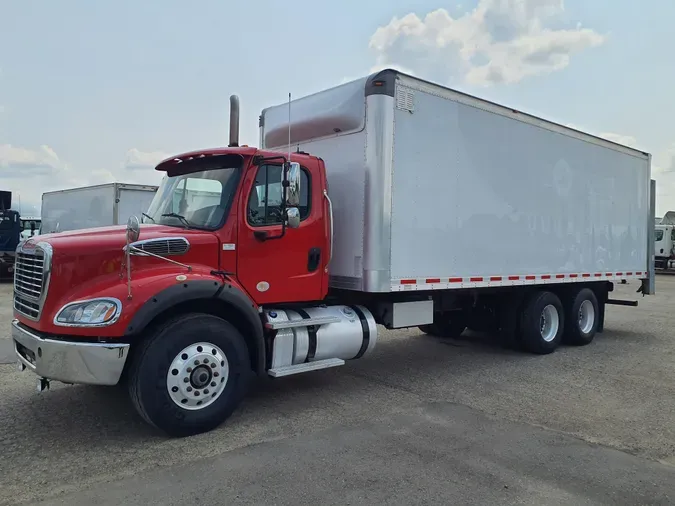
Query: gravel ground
column 532, row 425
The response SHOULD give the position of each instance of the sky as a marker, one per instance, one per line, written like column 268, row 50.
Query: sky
column 95, row 92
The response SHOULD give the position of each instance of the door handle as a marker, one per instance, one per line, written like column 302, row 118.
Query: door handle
column 313, row 259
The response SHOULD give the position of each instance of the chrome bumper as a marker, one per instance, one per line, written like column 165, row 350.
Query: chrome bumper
column 69, row 361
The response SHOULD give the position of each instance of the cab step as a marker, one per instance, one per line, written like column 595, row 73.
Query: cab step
column 305, row 367
column 307, row 322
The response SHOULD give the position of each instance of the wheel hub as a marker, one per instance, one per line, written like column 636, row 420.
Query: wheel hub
column 197, row 376
column 549, row 322
column 200, row 376
column 586, row 316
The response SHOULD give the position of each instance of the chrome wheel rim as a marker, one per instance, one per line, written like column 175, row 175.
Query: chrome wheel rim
column 586, row 316
column 197, row 376
column 549, row 322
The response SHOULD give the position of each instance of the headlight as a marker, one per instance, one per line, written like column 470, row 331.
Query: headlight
column 89, row 313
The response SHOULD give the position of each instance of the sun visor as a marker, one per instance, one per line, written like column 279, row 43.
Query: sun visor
column 5, row 200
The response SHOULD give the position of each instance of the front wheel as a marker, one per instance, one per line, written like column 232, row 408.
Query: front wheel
column 190, row 374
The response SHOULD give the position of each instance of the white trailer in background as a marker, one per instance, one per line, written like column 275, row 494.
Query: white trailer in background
column 94, row 206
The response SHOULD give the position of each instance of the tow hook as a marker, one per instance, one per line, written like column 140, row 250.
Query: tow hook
column 42, row 384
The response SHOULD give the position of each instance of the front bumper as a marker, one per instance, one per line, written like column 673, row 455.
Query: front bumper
column 69, row 361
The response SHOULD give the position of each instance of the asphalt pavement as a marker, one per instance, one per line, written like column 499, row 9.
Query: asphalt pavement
column 421, row 421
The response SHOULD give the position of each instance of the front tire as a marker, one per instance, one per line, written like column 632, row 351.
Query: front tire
column 582, row 317
column 190, row 374
column 541, row 323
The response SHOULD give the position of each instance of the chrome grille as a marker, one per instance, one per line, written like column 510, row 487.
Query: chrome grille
column 170, row 246
column 31, row 270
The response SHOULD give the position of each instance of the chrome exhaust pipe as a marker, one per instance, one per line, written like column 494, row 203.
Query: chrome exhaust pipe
column 234, row 121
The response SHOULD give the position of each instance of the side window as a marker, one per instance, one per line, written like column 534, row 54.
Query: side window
column 265, row 200
column 672, row 235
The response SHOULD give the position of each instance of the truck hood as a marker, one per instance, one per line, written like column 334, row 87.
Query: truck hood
column 92, row 255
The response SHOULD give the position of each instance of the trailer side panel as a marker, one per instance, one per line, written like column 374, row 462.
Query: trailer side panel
column 492, row 200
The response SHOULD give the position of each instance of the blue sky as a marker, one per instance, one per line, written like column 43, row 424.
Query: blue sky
column 92, row 92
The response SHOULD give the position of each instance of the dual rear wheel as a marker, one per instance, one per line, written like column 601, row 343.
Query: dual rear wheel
column 544, row 321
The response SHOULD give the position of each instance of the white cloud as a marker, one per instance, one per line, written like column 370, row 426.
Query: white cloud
column 626, row 140
column 498, row 42
column 28, row 173
column 137, row 159
column 22, row 162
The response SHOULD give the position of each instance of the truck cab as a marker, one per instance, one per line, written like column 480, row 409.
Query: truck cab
column 10, row 232
column 664, row 241
column 236, row 196
column 232, row 237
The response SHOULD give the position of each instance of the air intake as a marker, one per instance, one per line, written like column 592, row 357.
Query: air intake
column 169, row 246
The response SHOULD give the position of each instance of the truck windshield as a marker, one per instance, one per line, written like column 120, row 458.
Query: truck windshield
column 26, row 224
column 195, row 200
column 659, row 235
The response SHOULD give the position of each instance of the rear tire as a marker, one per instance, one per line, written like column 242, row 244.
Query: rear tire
column 582, row 316
column 450, row 324
column 190, row 374
column 541, row 323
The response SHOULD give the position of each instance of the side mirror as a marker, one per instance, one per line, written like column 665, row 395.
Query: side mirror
column 133, row 229
column 292, row 184
column 293, row 217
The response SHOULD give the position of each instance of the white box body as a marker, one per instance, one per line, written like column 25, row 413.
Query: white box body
column 436, row 189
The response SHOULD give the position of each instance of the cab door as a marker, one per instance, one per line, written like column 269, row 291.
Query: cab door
column 278, row 264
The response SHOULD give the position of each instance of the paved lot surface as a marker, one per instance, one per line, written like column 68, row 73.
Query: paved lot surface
column 422, row 421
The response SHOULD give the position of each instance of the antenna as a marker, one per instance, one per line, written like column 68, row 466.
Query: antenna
column 289, row 127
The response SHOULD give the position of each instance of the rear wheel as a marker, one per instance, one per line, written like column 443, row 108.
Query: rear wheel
column 190, row 374
column 582, row 318
column 449, row 324
column 541, row 323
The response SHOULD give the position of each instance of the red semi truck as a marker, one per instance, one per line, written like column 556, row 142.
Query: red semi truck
column 380, row 201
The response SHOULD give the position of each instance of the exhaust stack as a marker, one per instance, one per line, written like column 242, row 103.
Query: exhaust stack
column 234, row 121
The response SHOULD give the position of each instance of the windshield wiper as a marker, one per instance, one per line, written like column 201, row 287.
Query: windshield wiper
column 148, row 216
column 180, row 217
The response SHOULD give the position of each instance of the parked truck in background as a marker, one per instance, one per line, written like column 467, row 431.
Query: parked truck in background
column 379, row 201
column 10, row 235
column 93, row 206
column 30, row 226
column 664, row 237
